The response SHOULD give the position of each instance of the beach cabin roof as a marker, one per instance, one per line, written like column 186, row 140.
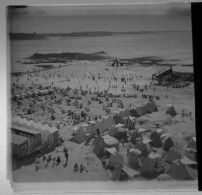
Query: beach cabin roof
column 18, row 140
column 45, row 127
column 15, row 127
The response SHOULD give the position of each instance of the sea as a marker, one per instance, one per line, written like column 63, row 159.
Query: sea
column 172, row 47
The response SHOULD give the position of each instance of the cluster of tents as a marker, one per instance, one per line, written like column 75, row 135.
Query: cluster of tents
column 151, row 152
column 149, row 155
column 113, row 123
column 49, row 135
column 33, row 93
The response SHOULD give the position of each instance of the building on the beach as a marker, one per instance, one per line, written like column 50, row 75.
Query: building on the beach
column 19, row 145
column 34, row 140
column 164, row 75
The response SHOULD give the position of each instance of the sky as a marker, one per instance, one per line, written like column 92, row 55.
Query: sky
column 119, row 18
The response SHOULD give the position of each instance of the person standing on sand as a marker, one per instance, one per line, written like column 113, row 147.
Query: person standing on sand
column 190, row 114
column 81, row 168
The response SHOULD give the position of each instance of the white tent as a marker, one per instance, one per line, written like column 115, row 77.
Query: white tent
column 80, row 135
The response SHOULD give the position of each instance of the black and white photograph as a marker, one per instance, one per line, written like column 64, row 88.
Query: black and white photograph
column 101, row 93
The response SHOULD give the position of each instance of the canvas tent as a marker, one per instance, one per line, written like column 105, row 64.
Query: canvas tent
column 156, row 140
column 150, row 107
column 171, row 110
column 80, row 135
column 133, row 158
column 168, row 143
column 140, row 110
column 164, row 177
column 115, row 160
column 192, row 143
column 180, row 171
column 129, row 122
column 134, row 137
column 133, row 112
column 172, row 155
column 118, row 119
column 148, row 165
column 102, row 142
column 142, row 147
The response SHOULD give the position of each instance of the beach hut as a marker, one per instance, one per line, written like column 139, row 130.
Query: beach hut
column 180, row 171
column 36, row 93
column 171, row 110
column 24, row 95
column 34, row 138
column 172, row 155
column 19, row 145
column 30, row 93
column 53, row 137
column 18, row 96
column 116, row 173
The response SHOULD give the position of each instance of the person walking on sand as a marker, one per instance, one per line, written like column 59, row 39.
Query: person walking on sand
column 36, row 164
column 76, row 167
column 65, row 149
column 190, row 114
column 81, row 168
column 66, row 156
